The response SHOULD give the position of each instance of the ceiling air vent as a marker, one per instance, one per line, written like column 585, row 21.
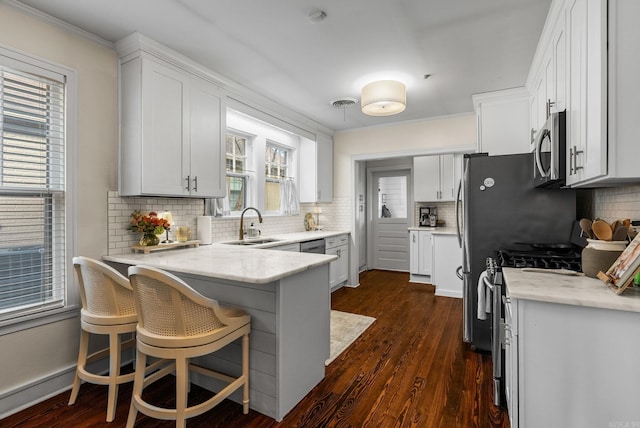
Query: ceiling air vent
column 344, row 102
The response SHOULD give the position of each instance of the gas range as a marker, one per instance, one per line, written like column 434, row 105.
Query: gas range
column 545, row 256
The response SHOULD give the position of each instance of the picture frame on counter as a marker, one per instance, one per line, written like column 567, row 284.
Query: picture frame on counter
column 621, row 273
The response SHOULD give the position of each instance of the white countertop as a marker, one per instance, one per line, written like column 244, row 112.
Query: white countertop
column 439, row 230
column 569, row 290
column 229, row 262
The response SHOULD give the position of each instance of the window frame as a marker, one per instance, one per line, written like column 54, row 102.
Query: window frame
column 280, row 179
column 262, row 131
column 26, row 63
column 246, row 175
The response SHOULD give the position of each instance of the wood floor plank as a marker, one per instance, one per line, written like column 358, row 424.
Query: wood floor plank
column 410, row 368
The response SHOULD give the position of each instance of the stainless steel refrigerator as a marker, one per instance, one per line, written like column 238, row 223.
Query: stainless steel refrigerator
column 501, row 207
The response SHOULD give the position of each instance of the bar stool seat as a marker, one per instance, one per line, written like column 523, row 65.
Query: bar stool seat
column 107, row 308
column 175, row 324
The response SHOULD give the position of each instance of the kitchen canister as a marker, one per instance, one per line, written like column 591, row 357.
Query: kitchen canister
column 203, row 224
column 598, row 256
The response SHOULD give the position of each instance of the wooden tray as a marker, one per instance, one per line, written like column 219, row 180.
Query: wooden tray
column 162, row 247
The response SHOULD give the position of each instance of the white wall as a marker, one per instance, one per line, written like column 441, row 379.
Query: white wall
column 47, row 351
column 416, row 137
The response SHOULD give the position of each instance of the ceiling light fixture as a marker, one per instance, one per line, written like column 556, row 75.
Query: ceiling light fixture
column 384, row 98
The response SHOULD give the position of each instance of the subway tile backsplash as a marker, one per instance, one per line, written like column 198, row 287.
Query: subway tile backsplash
column 617, row 202
column 334, row 216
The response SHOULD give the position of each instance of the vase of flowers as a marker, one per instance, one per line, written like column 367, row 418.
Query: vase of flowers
column 150, row 225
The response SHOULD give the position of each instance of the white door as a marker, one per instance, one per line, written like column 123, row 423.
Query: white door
column 390, row 219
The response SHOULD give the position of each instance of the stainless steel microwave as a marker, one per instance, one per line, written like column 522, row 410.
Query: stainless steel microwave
column 550, row 152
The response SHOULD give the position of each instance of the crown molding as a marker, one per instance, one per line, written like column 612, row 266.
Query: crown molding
column 44, row 17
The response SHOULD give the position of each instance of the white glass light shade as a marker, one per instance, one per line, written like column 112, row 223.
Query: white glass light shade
column 383, row 98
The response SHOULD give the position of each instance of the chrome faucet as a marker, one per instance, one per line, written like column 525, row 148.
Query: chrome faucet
column 242, row 220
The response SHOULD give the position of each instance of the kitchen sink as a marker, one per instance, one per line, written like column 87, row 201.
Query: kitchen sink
column 251, row 241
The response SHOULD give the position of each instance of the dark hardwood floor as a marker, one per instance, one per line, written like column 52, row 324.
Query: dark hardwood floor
column 409, row 369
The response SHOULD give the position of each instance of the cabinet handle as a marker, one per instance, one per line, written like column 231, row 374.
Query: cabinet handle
column 549, row 105
column 195, row 183
column 570, row 160
column 339, row 253
column 414, row 238
column 576, row 152
column 533, row 136
column 188, row 179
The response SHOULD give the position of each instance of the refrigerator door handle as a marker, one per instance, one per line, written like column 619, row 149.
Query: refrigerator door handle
column 459, row 272
column 458, row 213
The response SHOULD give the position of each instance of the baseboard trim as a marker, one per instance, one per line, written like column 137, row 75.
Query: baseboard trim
column 29, row 394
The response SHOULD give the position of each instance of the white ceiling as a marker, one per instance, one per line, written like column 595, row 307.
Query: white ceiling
column 467, row 46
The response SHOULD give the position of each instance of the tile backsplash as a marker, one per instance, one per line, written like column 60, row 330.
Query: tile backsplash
column 617, row 202
column 446, row 212
column 334, row 216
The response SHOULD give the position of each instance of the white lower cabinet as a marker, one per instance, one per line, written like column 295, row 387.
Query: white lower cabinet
column 571, row 366
column 420, row 255
column 447, row 257
column 338, row 269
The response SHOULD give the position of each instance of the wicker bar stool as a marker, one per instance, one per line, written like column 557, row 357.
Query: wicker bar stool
column 107, row 308
column 175, row 324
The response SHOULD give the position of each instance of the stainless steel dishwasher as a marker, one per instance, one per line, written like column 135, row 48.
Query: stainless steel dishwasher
column 316, row 246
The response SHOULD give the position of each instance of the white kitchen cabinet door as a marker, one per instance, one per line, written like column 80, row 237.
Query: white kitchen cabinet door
column 434, row 178
column 207, row 126
column 171, row 131
column 414, row 252
column 503, row 121
column 447, row 257
column 425, row 263
column 338, row 269
column 587, row 101
column 163, row 138
column 316, row 169
column 426, row 178
column 447, row 177
column 602, row 108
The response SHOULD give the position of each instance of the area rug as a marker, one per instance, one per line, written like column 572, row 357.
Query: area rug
column 345, row 329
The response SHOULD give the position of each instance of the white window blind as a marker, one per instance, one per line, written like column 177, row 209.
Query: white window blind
column 32, row 191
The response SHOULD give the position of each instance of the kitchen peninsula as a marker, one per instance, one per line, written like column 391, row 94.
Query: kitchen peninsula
column 288, row 298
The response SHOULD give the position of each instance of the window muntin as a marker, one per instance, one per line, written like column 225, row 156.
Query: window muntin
column 32, row 190
column 237, row 147
column 276, row 170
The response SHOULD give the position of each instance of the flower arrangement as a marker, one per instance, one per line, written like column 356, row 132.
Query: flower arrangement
column 150, row 225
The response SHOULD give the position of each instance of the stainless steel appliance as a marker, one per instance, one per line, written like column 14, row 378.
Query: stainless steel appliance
column 316, row 246
column 498, row 207
column 550, row 152
column 428, row 216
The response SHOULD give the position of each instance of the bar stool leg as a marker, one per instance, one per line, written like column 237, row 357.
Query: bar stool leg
column 82, row 362
column 245, row 373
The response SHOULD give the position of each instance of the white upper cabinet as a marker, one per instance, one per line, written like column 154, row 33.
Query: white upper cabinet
column 172, row 126
column 316, row 169
column 503, row 120
column 592, row 48
column 434, row 178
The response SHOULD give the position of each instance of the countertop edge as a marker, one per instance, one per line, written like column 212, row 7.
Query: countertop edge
column 161, row 260
column 569, row 290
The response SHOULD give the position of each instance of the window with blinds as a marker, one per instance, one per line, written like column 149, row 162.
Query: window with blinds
column 32, row 189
